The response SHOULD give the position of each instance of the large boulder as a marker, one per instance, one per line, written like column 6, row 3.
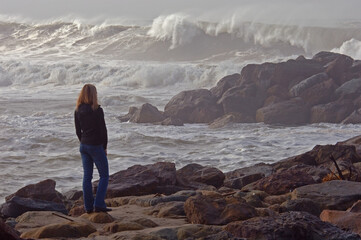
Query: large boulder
column 225, row 83
column 293, row 111
column 203, row 209
column 342, row 219
column 147, row 113
column 194, row 106
column 193, row 175
column 333, row 112
column 141, row 180
column 353, row 118
column 334, row 195
column 290, row 225
column 338, row 67
column 350, row 87
column 6, row 232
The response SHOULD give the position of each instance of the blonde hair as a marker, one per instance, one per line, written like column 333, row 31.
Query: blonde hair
column 88, row 95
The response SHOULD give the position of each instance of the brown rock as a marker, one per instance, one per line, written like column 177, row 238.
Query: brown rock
column 326, row 57
column 7, row 233
column 225, row 83
column 228, row 119
column 98, row 217
column 334, row 112
column 337, row 68
column 172, row 121
column 344, row 220
column 277, row 199
column 77, row 211
column 293, row 111
column 202, row 209
column 128, row 116
column 290, row 225
column 62, row 230
column 353, row 118
column 122, row 226
column 147, row 114
column 193, row 174
column 283, row 182
column 145, row 222
column 194, row 106
column 356, row 207
column 301, row 205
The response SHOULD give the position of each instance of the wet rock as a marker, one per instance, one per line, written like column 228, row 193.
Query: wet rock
column 326, row 57
column 147, row 113
column 345, row 220
column 8, row 233
column 202, row 209
column 128, row 116
column 290, row 225
column 61, row 230
column 98, row 217
column 301, row 205
column 225, row 83
column 194, row 106
column 349, row 87
column 141, row 180
column 353, row 118
column 293, row 111
column 172, row 121
column 334, row 112
column 17, row 206
column 304, row 85
column 337, row 68
column 334, row 195
column 282, row 182
column 194, row 174
column 228, row 119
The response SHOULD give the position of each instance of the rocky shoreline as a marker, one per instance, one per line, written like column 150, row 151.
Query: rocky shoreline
column 325, row 88
column 314, row 195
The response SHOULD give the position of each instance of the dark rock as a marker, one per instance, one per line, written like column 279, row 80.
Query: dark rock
column 333, row 112
column 228, row 119
column 353, row 118
column 213, row 210
column 225, row 83
column 239, row 182
column 350, row 87
column 147, row 114
column 282, row 182
column 73, row 195
column 302, row 86
column 326, row 57
column 172, row 121
column 194, row 106
column 337, row 68
column 141, row 180
column 301, row 205
column 344, row 220
column 293, row 111
column 126, row 118
column 168, row 210
column 355, row 142
column 44, row 190
column 336, row 195
column 7, row 233
column 18, row 205
column 290, row 225
column 193, row 174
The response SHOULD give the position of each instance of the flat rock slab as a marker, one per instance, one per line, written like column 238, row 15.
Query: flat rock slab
column 335, row 195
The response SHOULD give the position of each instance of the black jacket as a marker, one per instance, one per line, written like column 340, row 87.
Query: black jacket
column 90, row 125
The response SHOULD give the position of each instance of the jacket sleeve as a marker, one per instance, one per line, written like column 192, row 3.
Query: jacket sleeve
column 103, row 129
column 77, row 126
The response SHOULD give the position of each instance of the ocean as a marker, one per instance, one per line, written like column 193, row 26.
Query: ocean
column 44, row 64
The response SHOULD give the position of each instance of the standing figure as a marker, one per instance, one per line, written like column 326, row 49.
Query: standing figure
column 92, row 133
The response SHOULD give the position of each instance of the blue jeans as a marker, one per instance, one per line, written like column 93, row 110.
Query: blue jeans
column 91, row 154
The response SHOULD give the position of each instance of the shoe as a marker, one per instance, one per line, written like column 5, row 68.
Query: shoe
column 97, row 209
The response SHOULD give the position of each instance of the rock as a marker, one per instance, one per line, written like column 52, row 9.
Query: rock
column 225, row 83
column 301, row 205
column 147, row 114
column 61, row 230
column 290, row 225
column 145, row 222
column 115, row 227
column 353, row 118
column 229, row 118
column 128, row 116
column 356, row 207
column 98, row 217
column 304, row 85
column 202, row 209
column 192, row 174
column 44, row 190
column 277, row 199
column 166, row 233
column 344, row 220
column 334, row 112
column 172, row 121
column 241, row 99
column 36, row 219
column 7, row 233
column 282, row 182
column 77, row 211
column 196, row 231
column 334, row 195
column 146, row 202
column 293, row 111
column 326, row 57
column 73, row 195
column 168, row 210
column 355, row 142
column 337, row 68
column 349, row 87
column 239, row 182
column 194, row 106
column 141, row 180
column 17, row 206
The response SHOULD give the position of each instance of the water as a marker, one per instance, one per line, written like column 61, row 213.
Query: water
column 43, row 65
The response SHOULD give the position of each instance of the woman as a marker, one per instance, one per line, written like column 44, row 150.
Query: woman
column 92, row 133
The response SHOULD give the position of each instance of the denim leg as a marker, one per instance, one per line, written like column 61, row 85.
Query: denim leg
column 87, row 178
column 101, row 162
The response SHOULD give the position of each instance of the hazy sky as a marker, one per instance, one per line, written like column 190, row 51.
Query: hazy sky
column 149, row 9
